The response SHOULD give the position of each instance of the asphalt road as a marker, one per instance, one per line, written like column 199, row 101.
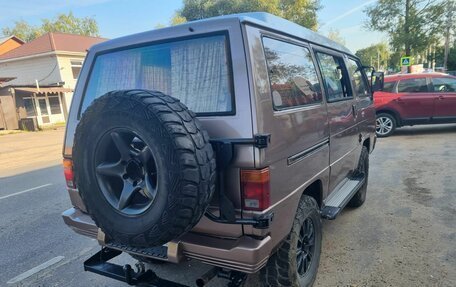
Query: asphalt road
column 404, row 235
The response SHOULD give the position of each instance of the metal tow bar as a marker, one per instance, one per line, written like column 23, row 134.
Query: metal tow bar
column 99, row 264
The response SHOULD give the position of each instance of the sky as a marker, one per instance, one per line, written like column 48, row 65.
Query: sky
column 123, row 17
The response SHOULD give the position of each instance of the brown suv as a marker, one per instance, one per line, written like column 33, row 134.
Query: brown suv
column 224, row 140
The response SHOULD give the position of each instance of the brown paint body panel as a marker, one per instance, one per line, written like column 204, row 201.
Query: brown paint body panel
column 308, row 144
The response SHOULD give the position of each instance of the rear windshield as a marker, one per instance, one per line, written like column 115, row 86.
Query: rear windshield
column 196, row 71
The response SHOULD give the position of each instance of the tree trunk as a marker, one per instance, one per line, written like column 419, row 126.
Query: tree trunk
column 447, row 35
column 408, row 48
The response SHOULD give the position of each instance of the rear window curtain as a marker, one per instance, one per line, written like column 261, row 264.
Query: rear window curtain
column 195, row 71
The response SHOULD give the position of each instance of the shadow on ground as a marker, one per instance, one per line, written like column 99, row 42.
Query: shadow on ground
column 425, row 130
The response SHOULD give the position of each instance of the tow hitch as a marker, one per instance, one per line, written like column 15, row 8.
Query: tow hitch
column 99, row 264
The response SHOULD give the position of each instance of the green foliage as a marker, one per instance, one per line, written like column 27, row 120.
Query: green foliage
column 372, row 54
column 68, row 23
column 178, row 19
column 451, row 65
column 334, row 35
column 65, row 23
column 439, row 56
column 303, row 12
column 22, row 30
column 411, row 24
column 394, row 61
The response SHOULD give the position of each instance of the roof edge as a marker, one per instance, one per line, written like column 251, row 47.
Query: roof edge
column 6, row 60
column 13, row 37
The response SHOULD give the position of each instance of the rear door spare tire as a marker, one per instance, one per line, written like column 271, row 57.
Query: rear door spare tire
column 144, row 166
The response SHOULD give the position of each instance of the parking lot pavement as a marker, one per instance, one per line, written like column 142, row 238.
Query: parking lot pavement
column 403, row 236
column 405, row 233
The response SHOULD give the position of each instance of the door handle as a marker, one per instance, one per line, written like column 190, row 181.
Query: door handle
column 441, row 97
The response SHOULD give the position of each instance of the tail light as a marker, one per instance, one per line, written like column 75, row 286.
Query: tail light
column 255, row 189
column 69, row 174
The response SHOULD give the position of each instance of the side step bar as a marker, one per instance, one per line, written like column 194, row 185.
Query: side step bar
column 340, row 197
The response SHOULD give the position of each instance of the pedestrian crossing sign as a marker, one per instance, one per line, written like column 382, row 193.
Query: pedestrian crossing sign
column 406, row 61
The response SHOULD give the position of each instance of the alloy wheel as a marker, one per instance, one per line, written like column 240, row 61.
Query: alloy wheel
column 384, row 125
column 306, row 246
column 126, row 171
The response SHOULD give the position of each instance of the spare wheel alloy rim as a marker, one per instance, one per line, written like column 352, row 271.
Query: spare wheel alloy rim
column 126, row 171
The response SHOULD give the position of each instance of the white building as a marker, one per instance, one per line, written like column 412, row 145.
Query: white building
column 42, row 75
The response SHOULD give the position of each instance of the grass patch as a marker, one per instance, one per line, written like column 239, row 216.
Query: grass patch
column 55, row 126
column 10, row 132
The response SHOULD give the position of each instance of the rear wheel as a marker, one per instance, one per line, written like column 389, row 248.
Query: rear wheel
column 296, row 262
column 385, row 125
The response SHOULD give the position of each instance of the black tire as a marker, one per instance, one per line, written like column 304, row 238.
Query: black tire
column 363, row 168
column 282, row 267
column 182, row 157
column 389, row 125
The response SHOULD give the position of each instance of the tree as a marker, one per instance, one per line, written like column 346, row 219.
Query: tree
column 394, row 61
column 451, row 62
column 375, row 55
column 302, row 12
column 450, row 26
column 411, row 24
column 68, row 23
column 440, row 57
column 334, row 35
column 22, row 30
column 65, row 23
column 178, row 19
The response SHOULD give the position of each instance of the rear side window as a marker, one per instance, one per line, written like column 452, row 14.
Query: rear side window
column 335, row 77
column 196, row 71
column 358, row 79
column 412, row 86
column 444, row 85
column 292, row 75
column 388, row 87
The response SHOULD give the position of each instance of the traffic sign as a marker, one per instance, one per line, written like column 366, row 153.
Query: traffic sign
column 406, row 61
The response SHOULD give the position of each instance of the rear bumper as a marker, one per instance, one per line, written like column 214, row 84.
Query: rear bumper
column 244, row 254
column 80, row 222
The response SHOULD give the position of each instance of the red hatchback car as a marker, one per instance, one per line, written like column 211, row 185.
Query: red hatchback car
column 415, row 99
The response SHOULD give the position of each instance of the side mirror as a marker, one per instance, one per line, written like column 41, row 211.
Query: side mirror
column 377, row 81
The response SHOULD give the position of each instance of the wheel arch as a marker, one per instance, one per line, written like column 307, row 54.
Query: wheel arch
column 315, row 190
column 392, row 113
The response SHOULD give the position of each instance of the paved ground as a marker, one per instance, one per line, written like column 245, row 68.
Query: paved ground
column 403, row 236
column 30, row 151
